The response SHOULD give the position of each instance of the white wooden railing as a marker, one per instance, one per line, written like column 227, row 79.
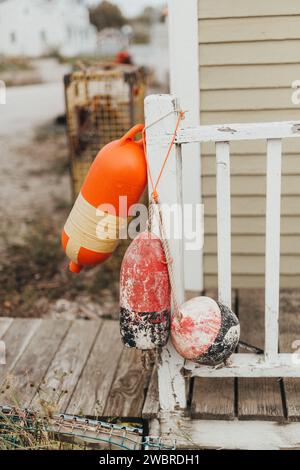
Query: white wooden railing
column 271, row 363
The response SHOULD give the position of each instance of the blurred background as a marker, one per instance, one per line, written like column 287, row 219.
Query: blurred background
column 119, row 51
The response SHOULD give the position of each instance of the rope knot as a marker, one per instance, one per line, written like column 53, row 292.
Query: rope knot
column 155, row 196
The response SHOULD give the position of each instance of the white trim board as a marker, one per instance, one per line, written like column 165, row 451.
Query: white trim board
column 222, row 434
column 185, row 85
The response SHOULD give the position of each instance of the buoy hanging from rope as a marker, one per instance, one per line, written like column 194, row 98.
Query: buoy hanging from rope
column 91, row 233
column 205, row 332
column 145, row 294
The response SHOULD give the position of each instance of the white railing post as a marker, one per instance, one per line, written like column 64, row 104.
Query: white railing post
column 272, row 270
column 224, row 222
column 170, row 379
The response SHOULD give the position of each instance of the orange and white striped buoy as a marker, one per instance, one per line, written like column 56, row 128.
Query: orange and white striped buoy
column 91, row 233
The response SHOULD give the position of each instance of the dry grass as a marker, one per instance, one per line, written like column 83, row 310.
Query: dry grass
column 14, row 64
column 37, row 268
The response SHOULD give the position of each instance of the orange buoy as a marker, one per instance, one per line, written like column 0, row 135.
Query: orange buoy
column 91, row 233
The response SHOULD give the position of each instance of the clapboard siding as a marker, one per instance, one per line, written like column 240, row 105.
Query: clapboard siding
column 234, row 77
column 251, row 281
column 254, row 164
column 249, row 29
column 222, row 117
column 255, row 147
column 252, row 185
column 240, row 245
column 269, row 98
column 254, row 264
column 253, row 205
column 241, row 9
column 260, row 52
column 249, row 54
column 253, row 225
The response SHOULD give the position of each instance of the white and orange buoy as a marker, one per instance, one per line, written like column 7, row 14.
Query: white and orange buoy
column 205, row 331
column 145, row 294
column 91, row 233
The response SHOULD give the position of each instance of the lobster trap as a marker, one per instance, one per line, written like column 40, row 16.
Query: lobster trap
column 102, row 103
column 26, row 429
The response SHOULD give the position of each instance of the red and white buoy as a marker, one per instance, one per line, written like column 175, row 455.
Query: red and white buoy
column 205, row 331
column 145, row 294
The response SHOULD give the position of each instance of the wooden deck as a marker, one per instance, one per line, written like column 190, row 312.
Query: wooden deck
column 265, row 399
column 77, row 367
column 80, row 367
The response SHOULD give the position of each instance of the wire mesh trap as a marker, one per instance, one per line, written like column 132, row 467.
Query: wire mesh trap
column 102, row 103
column 25, row 429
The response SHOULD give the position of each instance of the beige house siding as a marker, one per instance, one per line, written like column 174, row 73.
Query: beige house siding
column 249, row 56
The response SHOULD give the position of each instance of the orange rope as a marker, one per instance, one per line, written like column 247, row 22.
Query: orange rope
column 154, row 186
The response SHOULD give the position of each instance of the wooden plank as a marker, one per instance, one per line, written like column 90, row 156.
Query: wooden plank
column 289, row 342
column 5, row 323
column 272, row 262
column 234, row 435
column 184, row 16
column 260, row 52
column 126, row 396
column 224, row 222
column 252, row 281
column 258, row 398
column 249, row 29
column 252, row 185
column 236, row 100
column 94, row 385
column 254, row 206
column 245, row 115
column 232, row 77
column 213, row 398
column 66, row 367
column 170, row 381
column 248, row 365
column 233, row 8
column 222, row 133
column 250, row 148
column 254, row 264
column 248, row 165
column 151, row 406
column 16, row 339
column 255, row 225
column 28, row 372
column 254, row 244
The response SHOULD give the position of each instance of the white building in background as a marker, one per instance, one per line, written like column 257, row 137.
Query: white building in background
column 36, row 27
column 111, row 41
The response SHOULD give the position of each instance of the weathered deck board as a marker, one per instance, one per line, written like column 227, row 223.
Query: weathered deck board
column 290, row 342
column 214, row 398
column 109, row 380
column 4, row 325
column 28, row 371
column 64, row 371
column 16, row 339
column 127, row 394
column 94, row 385
column 151, row 406
column 258, row 398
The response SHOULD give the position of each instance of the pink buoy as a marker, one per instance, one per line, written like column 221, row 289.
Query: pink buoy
column 205, row 331
column 145, row 294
